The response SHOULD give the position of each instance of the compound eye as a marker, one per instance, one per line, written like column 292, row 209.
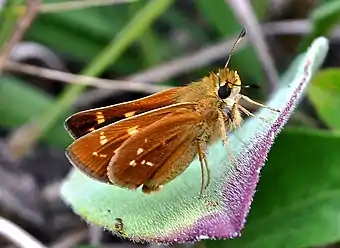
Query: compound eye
column 224, row 91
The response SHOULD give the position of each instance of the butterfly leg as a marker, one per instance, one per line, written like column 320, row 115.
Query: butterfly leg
column 224, row 135
column 207, row 168
column 204, row 166
column 257, row 103
column 247, row 112
column 200, row 157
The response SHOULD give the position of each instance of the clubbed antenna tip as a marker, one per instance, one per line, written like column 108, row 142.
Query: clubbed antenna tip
column 239, row 38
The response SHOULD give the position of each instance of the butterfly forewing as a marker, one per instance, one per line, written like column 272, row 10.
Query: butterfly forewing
column 141, row 156
column 92, row 153
column 88, row 121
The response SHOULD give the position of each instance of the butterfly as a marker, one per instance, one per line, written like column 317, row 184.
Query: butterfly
column 149, row 142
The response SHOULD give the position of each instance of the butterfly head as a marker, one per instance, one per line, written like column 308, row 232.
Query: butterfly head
column 229, row 84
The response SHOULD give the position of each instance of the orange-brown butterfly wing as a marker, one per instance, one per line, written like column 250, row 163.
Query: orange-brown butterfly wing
column 139, row 157
column 176, row 163
column 88, row 121
column 92, row 153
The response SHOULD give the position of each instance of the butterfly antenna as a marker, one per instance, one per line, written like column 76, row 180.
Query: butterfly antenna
column 255, row 86
column 239, row 38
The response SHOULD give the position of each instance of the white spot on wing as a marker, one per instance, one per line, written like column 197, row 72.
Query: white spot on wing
column 129, row 114
column 98, row 154
column 133, row 130
column 103, row 141
column 132, row 163
column 100, row 117
column 139, row 151
column 149, row 163
column 102, row 138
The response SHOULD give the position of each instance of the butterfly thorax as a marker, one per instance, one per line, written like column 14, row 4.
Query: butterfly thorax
column 211, row 106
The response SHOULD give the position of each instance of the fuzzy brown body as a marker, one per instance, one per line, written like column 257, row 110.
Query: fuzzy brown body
column 150, row 141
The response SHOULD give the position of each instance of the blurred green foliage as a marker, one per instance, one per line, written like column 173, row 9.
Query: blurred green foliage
column 300, row 180
column 324, row 93
column 25, row 102
column 8, row 20
column 322, row 19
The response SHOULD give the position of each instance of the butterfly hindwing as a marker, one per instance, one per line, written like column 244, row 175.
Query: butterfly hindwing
column 141, row 156
column 179, row 159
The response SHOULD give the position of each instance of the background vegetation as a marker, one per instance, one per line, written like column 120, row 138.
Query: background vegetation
column 166, row 43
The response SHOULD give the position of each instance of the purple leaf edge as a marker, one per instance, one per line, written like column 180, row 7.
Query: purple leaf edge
column 238, row 192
